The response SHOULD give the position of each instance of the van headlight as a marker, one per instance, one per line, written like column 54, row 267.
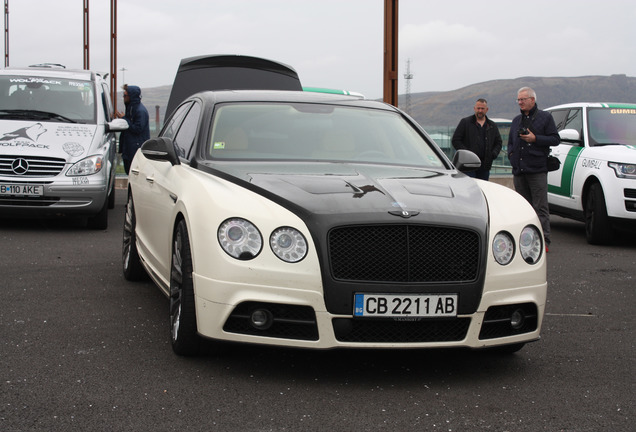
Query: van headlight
column 88, row 166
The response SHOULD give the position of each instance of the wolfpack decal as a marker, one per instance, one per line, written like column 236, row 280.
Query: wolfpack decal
column 35, row 80
column 31, row 133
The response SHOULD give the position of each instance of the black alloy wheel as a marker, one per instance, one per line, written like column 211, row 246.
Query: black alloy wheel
column 131, row 263
column 598, row 228
column 185, row 338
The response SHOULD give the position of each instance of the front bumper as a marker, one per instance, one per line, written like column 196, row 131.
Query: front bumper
column 300, row 319
column 58, row 198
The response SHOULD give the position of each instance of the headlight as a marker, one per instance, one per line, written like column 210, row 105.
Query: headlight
column 288, row 244
column 531, row 244
column 88, row 166
column 240, row 239
column 623, row 170
column 503, row 248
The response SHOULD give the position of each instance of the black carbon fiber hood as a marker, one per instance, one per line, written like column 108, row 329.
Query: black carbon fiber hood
column 330, row 196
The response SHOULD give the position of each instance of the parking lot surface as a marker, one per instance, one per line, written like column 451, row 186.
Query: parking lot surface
column 83, row 349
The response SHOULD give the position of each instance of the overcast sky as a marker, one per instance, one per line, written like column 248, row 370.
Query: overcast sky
column 337, row 43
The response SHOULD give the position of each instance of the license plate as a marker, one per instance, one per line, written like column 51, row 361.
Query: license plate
column 24, row 190
column 406, row 305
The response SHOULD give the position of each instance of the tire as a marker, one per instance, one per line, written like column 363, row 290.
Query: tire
column 183, row 323
column 131, row 263
column 598, row 228
column 100, row 220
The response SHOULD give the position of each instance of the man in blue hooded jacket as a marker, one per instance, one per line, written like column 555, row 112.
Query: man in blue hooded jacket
column 138, row 125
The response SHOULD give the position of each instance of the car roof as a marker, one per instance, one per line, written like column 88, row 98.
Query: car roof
column 225, row 96
column 594, row 105
column 52, row 72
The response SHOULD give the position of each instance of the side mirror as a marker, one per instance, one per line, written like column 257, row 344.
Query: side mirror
column 570, row 135
column 117, row 125
column 465, row 160
column 160, row 149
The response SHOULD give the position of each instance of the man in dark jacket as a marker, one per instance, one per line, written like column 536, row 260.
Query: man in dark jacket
column 138, row 125
column 480, row 135
column 532, row 133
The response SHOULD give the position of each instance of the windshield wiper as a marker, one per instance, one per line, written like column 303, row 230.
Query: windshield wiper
column 34, row 114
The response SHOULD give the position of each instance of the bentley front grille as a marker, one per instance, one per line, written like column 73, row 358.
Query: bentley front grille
column 404, row 254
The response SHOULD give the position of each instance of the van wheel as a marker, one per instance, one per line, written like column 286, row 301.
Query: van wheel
column 598, row 229
column 100, row 220
column 183, row 321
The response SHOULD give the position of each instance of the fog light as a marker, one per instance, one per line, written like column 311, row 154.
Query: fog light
column 517, row 319
column 261, row 319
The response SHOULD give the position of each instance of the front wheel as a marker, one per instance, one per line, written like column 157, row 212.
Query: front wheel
column 131, row 263
column 183, row 322
column 100, row 220
column 598, row 229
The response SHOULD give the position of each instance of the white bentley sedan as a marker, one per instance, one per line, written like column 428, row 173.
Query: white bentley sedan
column 327, row 221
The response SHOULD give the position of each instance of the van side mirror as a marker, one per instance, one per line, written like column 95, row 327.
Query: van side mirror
column 116, row 125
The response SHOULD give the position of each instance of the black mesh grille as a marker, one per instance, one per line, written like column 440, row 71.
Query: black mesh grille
column 404, row 253
column 35, row 166
column 351, row 330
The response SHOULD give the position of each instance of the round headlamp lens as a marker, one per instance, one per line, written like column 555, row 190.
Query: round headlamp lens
column 240, row 239
column 503, row 248
column 288, row 244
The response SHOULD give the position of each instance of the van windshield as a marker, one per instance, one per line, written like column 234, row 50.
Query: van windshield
column 50, row 99
column 609, row 126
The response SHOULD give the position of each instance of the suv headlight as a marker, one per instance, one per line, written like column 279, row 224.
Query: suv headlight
column 88, row 166
column 623, row 170
column 240, row 239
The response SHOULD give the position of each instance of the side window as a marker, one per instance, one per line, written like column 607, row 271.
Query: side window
column 108, row 106
column 574, row 120
column 184, row 139
column 559, row 118
column 170, row 129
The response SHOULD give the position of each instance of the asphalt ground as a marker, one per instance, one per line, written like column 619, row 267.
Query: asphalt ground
column 83, row 349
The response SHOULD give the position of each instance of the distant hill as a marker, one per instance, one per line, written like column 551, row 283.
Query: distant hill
column 447, row 108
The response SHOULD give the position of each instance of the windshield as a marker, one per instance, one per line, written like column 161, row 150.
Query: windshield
column 49, row 99
column 612, row 126
column 317, row 132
